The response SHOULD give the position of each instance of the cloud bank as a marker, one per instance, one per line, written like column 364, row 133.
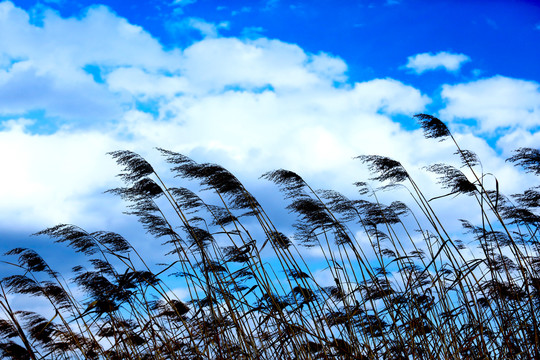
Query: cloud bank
column 97, row 83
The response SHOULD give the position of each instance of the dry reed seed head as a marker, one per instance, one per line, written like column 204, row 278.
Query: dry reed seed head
column 468, row 158
column 220, row 179
column 221, row 216
column 103, row 266
column 388, row 253
column 453, row 179
column 39, row 328
column 311, row 211
column 377, row 289
column 528, row 159
column 274, row 302
column 372, row 325
column 501, row 264
column 399, row 208
column 487, row 237
column 204, row 302
column 244, row 273
column 187, row 199
column 131, row 279
column 386, row 168
column 21, row 284
column 303, row 295
column 376, row 234
column 198, row 238
column 376, row 213
column 112, row 241
column 336, row 292
column 363, row 187
column 307, row 234
column 179, row 307
column 155, row 225
column 29, row 259
column 211, row 266
column 336, row 318
column 11, row 350
column 135, row 166
column 107, row 296
column 142, row 190
column 529, row 199
column 339, row 204
column 57, row 293
column 312, row 347
column 172, row 309
column 77, row 238
column 147, row 187
column 520, row 216
column 433, row 127
column 7, row 330
column 341, row 237
column 417, row 327
column 297, row 274
column 237, row 254
column 279, row 240
column 290, row 182
column 173, row 157
column 503, row 291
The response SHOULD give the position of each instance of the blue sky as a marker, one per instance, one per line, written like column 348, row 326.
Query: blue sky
column 254, row 86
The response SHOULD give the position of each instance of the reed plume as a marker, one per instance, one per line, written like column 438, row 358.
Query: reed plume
column 403, row 286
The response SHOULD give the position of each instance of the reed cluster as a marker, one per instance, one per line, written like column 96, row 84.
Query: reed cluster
column 403, row 287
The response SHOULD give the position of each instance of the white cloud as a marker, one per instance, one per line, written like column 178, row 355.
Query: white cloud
column 50, row 179
column 420, row 63
column 518, row 138
column 257, row 63
column 251, row 105
column 206, row 29
column 60, row 45
column 143, row 84
column 495, row 103
column 43, row 67
column 24, row 88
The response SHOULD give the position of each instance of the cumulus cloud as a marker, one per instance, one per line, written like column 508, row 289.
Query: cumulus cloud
column 494, row 103
column 44, row 67
column 60, row 45
column 53, row 178
column 205, row 28
column 251, row 105
column 421, row 63
column 23, row 88
column 256, row 64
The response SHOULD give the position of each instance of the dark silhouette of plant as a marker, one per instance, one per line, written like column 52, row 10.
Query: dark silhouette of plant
column 403, row 286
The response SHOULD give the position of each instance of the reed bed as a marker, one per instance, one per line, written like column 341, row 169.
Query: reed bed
column 403, row 287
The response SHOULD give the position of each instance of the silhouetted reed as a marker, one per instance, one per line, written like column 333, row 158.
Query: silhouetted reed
column 403, row 286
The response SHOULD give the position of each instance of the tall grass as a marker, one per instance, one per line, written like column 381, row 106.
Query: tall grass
column 403, row 286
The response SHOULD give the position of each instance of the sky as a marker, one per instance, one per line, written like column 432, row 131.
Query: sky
column 253, row 86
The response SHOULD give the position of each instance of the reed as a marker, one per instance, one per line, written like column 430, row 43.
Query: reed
column 403, row 286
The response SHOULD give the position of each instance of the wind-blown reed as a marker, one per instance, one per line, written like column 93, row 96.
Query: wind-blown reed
column 403, row 286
